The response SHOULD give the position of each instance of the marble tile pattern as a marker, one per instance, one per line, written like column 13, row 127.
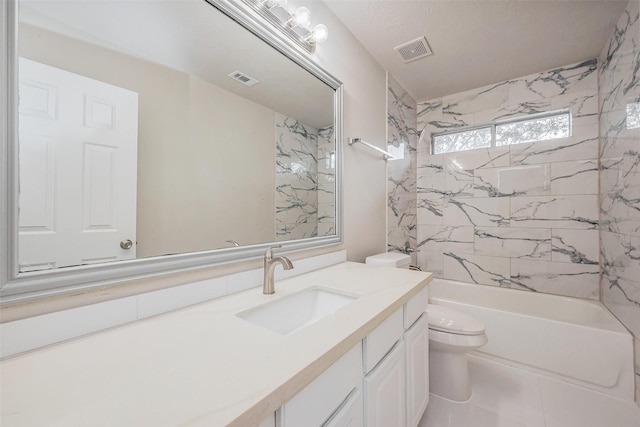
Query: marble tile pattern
column 401, row 173
column 619, row 83
column 523, row 216
column 326, row 182
column 296, row 179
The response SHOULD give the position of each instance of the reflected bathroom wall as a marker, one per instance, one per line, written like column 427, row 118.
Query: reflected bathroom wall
column 296, row 179
column 326, row 182
column 305, row 180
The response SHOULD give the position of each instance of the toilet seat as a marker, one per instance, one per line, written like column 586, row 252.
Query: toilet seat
column 447, row 320
column 451, row 336
column 455, row 342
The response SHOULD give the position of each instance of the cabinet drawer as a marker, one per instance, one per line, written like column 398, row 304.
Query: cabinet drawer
column 382, row 339
column 414, row 308
column 350, row 413
column 317, row 401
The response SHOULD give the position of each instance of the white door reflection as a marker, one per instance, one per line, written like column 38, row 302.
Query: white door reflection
column 78, row 155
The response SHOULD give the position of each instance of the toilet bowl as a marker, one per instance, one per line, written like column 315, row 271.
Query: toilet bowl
column 451, row 335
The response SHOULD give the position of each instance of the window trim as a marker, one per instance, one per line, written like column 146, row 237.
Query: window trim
column 496, row 123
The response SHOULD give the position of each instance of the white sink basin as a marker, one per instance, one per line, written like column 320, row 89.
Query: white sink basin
column 296, row 311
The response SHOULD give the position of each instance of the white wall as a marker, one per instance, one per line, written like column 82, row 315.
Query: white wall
column 365, row 116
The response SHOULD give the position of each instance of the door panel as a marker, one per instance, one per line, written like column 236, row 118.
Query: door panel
column 78, row 168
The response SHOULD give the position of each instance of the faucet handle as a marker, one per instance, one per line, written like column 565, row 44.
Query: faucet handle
column 269, row 252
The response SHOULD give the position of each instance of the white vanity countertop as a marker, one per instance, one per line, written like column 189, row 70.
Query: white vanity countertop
column 201, row 365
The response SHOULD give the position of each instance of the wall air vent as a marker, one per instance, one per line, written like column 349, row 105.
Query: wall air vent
column 414, row 49
column 243, row 78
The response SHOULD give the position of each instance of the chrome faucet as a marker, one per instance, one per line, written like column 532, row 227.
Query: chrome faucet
column 269, row 267
column 407, row 249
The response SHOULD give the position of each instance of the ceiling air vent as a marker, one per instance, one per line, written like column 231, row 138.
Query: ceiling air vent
column 414, row 49
column 243, row 78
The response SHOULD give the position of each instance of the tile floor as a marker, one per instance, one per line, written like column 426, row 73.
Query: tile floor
column 504, row 396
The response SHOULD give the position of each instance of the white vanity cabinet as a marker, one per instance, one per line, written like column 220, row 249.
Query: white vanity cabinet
column 350, row 414
column 381, row 382
column 384, row 368
column 270, row 421
column 396, row 361
column 384, row 391
column 416, row 340
column 323, row 399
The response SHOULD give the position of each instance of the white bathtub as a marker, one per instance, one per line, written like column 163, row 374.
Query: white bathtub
column 573, row 340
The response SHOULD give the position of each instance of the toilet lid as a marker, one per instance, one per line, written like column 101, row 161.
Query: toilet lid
column 445, row 319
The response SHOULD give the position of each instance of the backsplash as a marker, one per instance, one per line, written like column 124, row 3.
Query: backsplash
column 619, row 82
column 401, row 174
column 523, row 216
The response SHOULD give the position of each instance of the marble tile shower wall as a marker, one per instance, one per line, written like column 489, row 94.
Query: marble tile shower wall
column 296, row 179
column 326, row 182
column 305, row 180
column 619, row 86
column 523, row 216
column 401, row 174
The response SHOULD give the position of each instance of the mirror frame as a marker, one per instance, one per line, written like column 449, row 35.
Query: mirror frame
column 16, row 286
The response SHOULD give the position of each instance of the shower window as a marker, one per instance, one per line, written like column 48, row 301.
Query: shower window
column 463, row 140
column 532, row 128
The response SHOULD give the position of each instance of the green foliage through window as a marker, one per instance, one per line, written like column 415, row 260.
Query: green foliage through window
column 539, row 127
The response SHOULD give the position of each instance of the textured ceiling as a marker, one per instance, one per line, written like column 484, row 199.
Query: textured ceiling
column 477, row 42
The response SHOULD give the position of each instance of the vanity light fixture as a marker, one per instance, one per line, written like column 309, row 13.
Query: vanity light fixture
column 319, row 34
column 300, row 18
column 273, row 3
column 296, row 25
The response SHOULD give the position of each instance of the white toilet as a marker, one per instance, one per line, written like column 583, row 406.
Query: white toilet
column 451, row 335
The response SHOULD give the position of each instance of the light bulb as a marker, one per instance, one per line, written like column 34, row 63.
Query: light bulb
column 320, row 33
column 300, row 18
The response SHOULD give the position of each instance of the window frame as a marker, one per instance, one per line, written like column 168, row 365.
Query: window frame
column 494, row 124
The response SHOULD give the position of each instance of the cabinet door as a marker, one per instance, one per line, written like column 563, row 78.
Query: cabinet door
column 384, row 391
column 350, row 413
column 417, row 355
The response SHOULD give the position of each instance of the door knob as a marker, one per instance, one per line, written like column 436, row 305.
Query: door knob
column 126, row 244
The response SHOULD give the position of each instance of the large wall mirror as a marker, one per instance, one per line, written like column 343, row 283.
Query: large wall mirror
column 154, row 136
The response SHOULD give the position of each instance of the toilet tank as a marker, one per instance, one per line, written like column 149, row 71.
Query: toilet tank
column 389, row 259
